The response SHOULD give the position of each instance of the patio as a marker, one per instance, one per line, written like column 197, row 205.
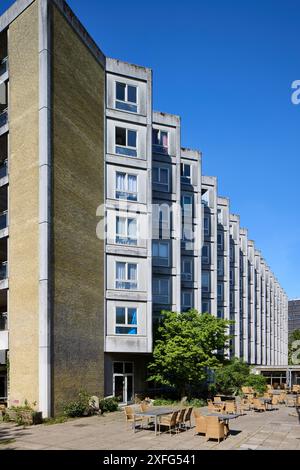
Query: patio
column 271, row 430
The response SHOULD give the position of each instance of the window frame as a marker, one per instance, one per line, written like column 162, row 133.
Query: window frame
column 126, row 191
column 207, row 275
column 126, row 324
column 206, row 230
column 183, row 294
column 133, row 150
column 126, row 281
column 205, row 258
column 159, row 294
column 165, row 185
column 160, row 148
column 126, row 103
column 126, row 236
column 186, row 179
column 157, row 258
column 187, row 275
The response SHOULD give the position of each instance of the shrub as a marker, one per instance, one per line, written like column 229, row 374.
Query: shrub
column 78, row 408
column 163, row 402
column 196, row 402
column 108, row 405
column 258, row 382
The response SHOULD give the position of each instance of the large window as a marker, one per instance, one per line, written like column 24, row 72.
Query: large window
column 220, row 292
column 205, row 307
column 126, row 142
column 160, row 141
column 161, row 178
column 187, row 205
column 206, row 226
column 126, row 276
column 187, row 270
column 220, row 313
column 205, row 281
column 186, row 300
column 126, row 97
column 160, row 253
column 126, row 186
column 220, row 266
column 161, row 290
column 126, row 321
column 186, row 173
column 126, row 231
column 205, row 253
column 220, row 241
column 231, row 277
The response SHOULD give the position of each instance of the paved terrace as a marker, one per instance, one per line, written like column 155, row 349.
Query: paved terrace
column 267, row 430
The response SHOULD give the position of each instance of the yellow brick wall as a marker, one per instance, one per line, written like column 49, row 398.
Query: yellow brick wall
column 78, row 174
column 23, row 206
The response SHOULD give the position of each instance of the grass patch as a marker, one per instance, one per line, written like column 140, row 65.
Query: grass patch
column 57, row 420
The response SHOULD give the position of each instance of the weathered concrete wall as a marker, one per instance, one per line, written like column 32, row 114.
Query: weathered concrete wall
column 78, row 188
column 23, row 206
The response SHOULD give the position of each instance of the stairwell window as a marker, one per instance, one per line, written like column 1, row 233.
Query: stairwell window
column 126, row 276
column 186, row 300
column 126, row 231
column 205, row 282
column 126, row 186
column 160, row 253
column 161, row 178
column 126, row 321
column 126, row 142
column 205, row 253
column 126, row 97
column 186, row 173
column 187, row 270
column 161, row 291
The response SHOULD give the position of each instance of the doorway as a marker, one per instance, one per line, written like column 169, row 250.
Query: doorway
column 123, row 381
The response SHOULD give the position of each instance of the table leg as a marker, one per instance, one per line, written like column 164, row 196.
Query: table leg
column 155, row 425
column 134, row 423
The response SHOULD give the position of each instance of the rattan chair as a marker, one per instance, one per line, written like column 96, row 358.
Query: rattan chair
column 180, row 418
column 188, row 417
column 258, row 405
column 169, row 421
column 200, row 422
column 214, row 428
column 230, row 407
column 129, row 414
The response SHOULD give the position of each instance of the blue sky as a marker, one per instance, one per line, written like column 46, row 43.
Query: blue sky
column 225, row 66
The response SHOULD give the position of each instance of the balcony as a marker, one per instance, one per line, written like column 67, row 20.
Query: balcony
column 3, row 66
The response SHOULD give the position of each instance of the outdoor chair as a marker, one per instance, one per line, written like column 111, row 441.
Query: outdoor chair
column 180, row 418
column 244, row 405
column 144, row 406
column 214, row 428
column 169, row 421
column 282, row 398
column 230, row 407
column 200, row 423
column 298, row 400
column 258, row 405
column 129, row 414
column 188, row 417
column 217, row 400
column 290, row 401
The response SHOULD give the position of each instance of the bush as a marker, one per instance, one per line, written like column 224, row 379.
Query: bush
column 196, row 402
column 258, row 382
column 163, row 402
column 108, row 405
column 78, row 408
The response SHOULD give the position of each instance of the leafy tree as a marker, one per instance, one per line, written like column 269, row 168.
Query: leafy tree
column 232, row 376
column 294, row 336
column 186, row 347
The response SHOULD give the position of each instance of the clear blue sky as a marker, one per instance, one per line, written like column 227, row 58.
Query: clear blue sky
column 225, row 66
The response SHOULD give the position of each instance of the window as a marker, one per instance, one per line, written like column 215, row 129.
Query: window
column 126, row 276
column 160, row 253
column 126, row 97
column 126, row 321
column 205, row 253
column 161, row 178
column 220, row 313
column 126, row 231
column 126, row 186
column 220, row 241
column 220, row 266
column 186, row 300
column 205, row 307
column 205, row 198
column 186, row 173
column 126, row 141
column 160, row 141
column 206, row 226
column 231, row 277
column 231, row 300
column 205, row 281
column 220, row 216
column 220, row 292
column 161, row 290
column 232, row 253
column 187, row 205
column 187, row 270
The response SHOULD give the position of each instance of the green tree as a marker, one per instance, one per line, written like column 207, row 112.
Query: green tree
column 186, row 346
column 232, row 376
column 257, row 382
column 294, row 336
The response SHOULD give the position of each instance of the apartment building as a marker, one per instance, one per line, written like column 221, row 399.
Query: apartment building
column 106, row 220
column 294, row 315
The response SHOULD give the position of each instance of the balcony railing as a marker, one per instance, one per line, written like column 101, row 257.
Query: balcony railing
column 3, row 321
column 3, row 220
column 3, row 169
column 3, row 270
column 3, row 66
column 4, row 117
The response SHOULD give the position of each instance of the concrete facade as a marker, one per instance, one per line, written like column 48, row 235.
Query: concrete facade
column 120, row 223
column 294, row 315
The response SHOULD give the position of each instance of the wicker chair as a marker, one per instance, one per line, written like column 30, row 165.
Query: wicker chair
column 180, row 418
column 129, row 414
column 144, row 406
column 258, row 405
column 230, row 407
column 169, row 421
column 282, row 398
column 214, row 428
column 188, row 417
column 290, row 401
column 200, row 423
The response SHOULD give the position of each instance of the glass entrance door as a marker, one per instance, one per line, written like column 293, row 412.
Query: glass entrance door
column 123, row 383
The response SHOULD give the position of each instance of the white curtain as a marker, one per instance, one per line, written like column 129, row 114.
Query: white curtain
column 121, row 181
column 121, row 271
column 132, row 272
column 132, row 186
column 121, row 230
column 132, row 228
